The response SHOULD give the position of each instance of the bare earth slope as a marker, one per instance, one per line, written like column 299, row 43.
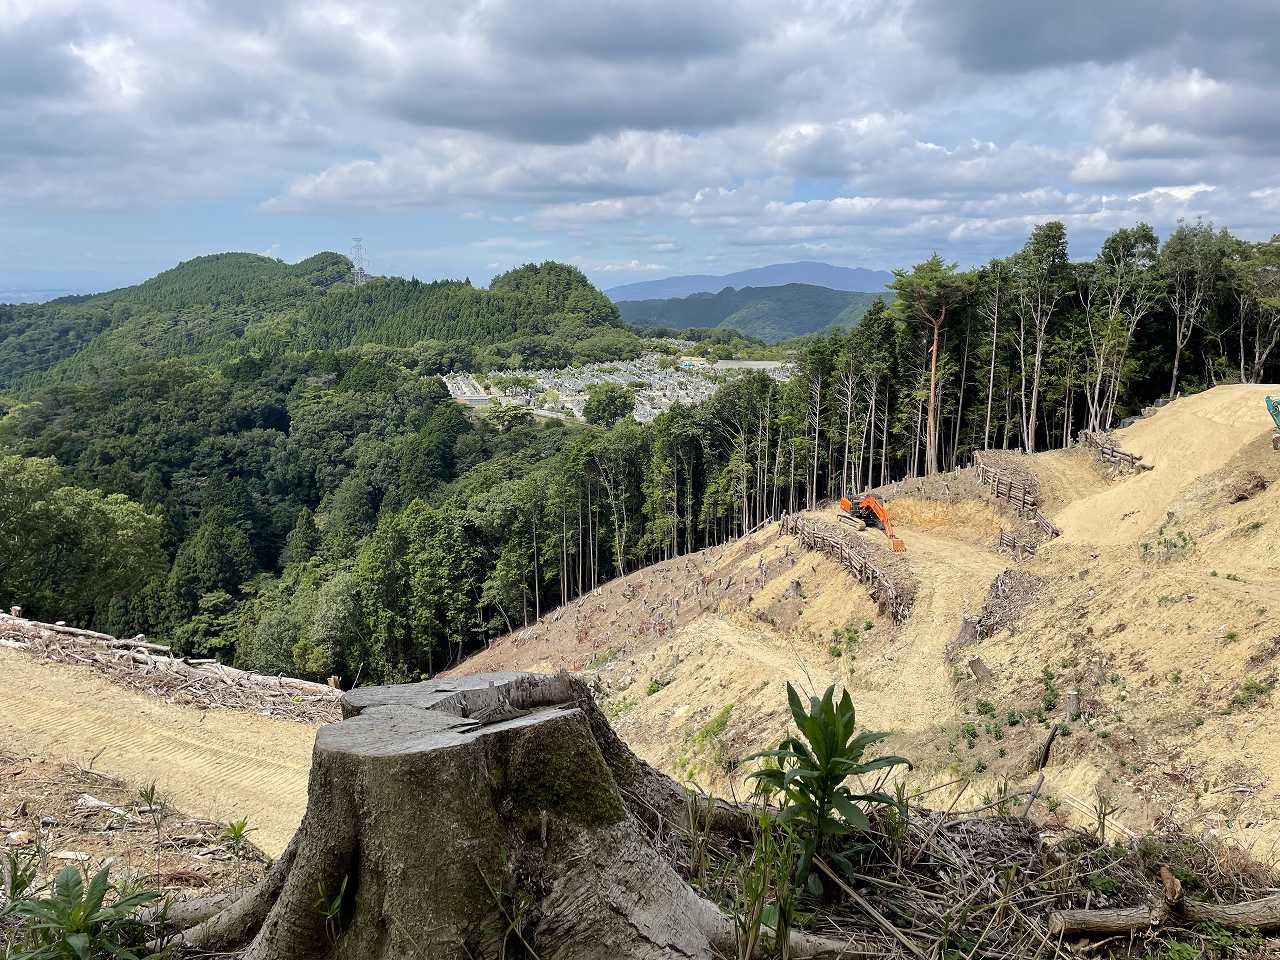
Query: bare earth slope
column 691, row 655
column 1159, row 605
column 1162, row 608
column 908, row 689
column 217, row 764
column 1192, row 437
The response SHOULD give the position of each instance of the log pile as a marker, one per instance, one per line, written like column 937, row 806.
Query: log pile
column 1010, row 592
column 153, row 668
column 892, row 589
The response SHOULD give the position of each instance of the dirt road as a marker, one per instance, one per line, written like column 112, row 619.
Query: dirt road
column 220, row 764
column 910, row 688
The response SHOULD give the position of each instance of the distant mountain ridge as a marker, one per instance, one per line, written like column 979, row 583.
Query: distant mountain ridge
column 771, row 314
column 857, row 279
column 227, row 307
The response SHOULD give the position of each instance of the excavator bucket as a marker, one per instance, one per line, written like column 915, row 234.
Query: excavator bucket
column 873, row 513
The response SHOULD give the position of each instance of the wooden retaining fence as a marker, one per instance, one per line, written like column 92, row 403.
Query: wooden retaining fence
column 1019, row 548
column 1108, row 452
column 1026, row 498
column 884, row 590
column 1016, row 492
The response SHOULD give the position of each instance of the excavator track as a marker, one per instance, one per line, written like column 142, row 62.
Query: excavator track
column 870, row 512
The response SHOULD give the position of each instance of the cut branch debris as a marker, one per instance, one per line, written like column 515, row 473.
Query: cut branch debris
column 153, row 668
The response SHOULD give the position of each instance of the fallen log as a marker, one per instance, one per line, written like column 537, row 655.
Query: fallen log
column 1261, row 914
column 56, row 628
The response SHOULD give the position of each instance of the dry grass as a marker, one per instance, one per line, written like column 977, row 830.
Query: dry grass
column 983, row 885
column 970, row 520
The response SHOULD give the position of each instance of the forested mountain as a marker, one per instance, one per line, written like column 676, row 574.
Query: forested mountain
column 310, row 501
column 776, row 274
column 771, row 314
column 245, row 305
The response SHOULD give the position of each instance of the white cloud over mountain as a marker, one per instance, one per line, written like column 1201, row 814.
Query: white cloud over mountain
column 750, row 130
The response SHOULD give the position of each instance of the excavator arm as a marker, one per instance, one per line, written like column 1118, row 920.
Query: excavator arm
column 871, row 511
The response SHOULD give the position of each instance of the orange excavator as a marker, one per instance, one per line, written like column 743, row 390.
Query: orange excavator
column 870, row 512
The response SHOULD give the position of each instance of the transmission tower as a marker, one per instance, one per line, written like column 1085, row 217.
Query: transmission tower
column 359, row 263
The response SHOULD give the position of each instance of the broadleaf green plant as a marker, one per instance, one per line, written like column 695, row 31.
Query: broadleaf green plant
column 80, row 921
column 808, row 774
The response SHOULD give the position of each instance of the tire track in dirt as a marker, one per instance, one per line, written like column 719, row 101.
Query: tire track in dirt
column 910, row 685
column 221, row 764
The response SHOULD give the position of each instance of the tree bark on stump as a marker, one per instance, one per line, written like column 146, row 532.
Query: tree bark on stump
column 477, row 817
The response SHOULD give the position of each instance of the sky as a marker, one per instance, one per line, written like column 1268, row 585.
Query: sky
column 636, row 140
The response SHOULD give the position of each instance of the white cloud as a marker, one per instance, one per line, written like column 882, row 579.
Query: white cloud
column 1179, row 194
column 652, row 131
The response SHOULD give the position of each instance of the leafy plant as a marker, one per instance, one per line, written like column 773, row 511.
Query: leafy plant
column 329, row 908
column 80, row 921
column 19, row 876
column 809, row 772
column 154, row 805
column 768, row 892
column 1101, row 883
column 1183, row 951
column 236, row 834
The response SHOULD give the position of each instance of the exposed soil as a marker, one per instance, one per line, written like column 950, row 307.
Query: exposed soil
column 1182, row 442
column 220, row 765
column 1159, row 605
column 59, row 814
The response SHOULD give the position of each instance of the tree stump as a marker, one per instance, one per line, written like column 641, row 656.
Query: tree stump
column 479, row 817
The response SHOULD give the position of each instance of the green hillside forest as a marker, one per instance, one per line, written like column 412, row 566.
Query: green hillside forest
column 259, row 461
column 771, row 314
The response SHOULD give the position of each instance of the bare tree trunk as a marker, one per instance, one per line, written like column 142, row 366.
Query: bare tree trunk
column 931, row 450
column 993, row 311
column 884, row 440
column 815, row 394
column 964, row 373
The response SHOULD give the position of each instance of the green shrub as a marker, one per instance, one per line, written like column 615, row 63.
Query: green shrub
column 1251, row 691
column 79, row 921
column 1050, row 696
column 1101, row 883
column 808, row 773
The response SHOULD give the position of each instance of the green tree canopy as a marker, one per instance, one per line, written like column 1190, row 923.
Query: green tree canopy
column 607, row 403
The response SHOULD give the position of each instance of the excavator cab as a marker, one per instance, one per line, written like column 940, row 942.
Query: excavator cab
column 1273, row 408
column 870, row 512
